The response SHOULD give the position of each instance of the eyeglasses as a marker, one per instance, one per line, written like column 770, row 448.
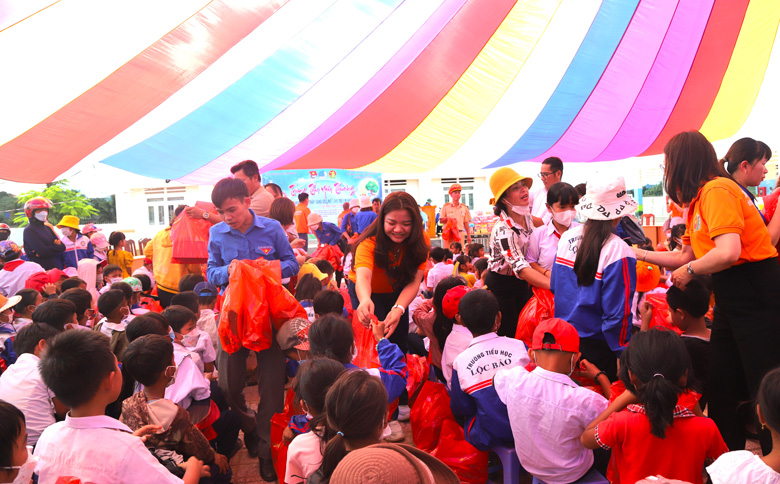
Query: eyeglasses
column 544, row 175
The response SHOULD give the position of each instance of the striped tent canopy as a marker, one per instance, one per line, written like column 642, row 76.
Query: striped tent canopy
column 185, row 89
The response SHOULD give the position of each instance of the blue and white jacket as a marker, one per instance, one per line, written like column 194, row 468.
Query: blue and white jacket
column 603, row 309
column 76, row 250
column 393, row 371
column 473, row 397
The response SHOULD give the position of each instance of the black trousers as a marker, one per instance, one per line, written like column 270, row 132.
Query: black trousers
column 744, row 346
column 512, row 294
column 164, row 297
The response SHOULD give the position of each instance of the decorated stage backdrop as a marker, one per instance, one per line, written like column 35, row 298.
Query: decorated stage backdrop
column 327, row 189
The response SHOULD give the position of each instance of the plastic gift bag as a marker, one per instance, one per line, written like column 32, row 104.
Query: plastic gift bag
column 464, row 459
column 190, row 238
column 255, row 303
column 660, row 312
column 428, row 413
column 279, row 422
column 418, row 368
column 365, row 344
column 539, row 308
column 332, row 254
column 450, row 231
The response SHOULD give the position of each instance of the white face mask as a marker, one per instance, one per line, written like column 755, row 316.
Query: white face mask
column 25, row 470
column 519, row 209
column 564, row 218
column 41, row 215
column 354, row 209
column 112, row 280
column 191, row 339
column 66, row 231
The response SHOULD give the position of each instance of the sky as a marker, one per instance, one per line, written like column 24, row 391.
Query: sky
column 98, row 180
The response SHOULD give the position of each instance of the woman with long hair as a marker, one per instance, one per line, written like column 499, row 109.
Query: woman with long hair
column 594, row 276
column 726, row 237
column 509, row 273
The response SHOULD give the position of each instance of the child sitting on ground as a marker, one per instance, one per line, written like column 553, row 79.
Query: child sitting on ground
column 356, row 415
column 83, row 301
column 31, row 299
column 453, row 332
column 329, row 301
column 304, row 455
column 464, row 269
column 326, row 268
column 743, row 466
column 473, row 397
column 149, row 360
column 113, row 306
column 21, row 383
column 207, row 318
column 183, row 321
column 655, row 436
column 135, row 298
column 332, row 337
column 548, row 411
column 111, row 273
column 16, row 463
column 84, row 375
column 688, row 307
column 308, row 287
column 480, row 266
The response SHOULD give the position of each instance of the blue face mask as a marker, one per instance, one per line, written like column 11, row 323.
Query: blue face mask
column 172, row 335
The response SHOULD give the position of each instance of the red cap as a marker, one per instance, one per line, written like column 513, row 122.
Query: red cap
column 449, row 305
column 556, row 334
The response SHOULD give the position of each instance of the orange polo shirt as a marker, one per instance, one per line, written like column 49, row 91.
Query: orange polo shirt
column 364, row 257
column 301, row 218
column 722, row 207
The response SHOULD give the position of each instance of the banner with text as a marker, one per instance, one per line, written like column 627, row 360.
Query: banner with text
column 327, row 189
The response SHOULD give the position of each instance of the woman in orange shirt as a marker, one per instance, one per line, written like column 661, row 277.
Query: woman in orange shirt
column 389, row 260
column 726, row 237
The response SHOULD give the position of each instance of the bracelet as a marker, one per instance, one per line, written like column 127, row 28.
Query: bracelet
column 644, row 257
column 403, row 309
column 596, row 378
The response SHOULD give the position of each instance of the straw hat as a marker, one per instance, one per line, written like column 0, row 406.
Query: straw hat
column 314, row 219
column 392, row 464
column 504, row 178
column 8, row 302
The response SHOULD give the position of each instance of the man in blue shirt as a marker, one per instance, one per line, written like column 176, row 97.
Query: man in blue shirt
column 326, row 232
column 243, row 235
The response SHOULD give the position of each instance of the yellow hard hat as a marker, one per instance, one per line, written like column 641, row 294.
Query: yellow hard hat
column 504, row 178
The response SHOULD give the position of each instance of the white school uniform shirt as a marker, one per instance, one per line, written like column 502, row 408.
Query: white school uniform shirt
column 190, row 384
column 202, row 347
column 458, row 340
column 304, row 457
column 548, row 413
column 741, row 466
column 207, row 321
column 22, row 386
column 543, row 245
column 539, row 205
column 96, row 449
column 12, row 281
column 439, row 271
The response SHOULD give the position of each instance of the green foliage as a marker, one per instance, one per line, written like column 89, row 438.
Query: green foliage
column 8, row 208
column 106, row 211
column 653, row 190
column 67, row 201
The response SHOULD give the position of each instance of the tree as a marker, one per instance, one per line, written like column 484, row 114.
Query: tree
column 653, row 190
column 106, row 210
column 7, row 208
column 66, row 201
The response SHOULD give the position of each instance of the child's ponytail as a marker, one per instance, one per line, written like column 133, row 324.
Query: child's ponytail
column 658, row 363
column 356, row 409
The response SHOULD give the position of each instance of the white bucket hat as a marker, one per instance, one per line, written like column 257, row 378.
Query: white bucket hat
column 606, row 199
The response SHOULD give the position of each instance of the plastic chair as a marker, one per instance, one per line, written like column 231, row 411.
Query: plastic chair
column 648, row 219
column 592, row 477
column 510, row 464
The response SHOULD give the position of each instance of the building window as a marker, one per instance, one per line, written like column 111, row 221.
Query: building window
column 151, row 215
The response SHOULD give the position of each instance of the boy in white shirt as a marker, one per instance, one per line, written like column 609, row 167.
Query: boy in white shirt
column 548, row 411
column 83, row 373
column 442, row 267
column 190, row 383
column 21, row 383
column 207, row 318
column 459, row 338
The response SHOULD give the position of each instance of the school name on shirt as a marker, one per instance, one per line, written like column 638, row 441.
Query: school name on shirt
column 477, row 368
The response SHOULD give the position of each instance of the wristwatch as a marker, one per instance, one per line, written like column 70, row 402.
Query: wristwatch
column 690, row 269
column 205, row 215
column 403, row 309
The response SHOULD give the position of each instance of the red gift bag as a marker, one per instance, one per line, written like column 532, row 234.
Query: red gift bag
column 450, row 231
column 464, row 459
column 190, row 239
column 539, row 308
column 428, row 413
column 660, row 312
column 418, row 368
column 365, row 344
column 332, row 254
column 255, row 303
column 279, row 422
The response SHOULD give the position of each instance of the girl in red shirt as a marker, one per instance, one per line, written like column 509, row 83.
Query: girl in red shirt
column 648, row 433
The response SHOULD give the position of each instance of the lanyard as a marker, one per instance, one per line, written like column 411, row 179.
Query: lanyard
column 753, row 199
